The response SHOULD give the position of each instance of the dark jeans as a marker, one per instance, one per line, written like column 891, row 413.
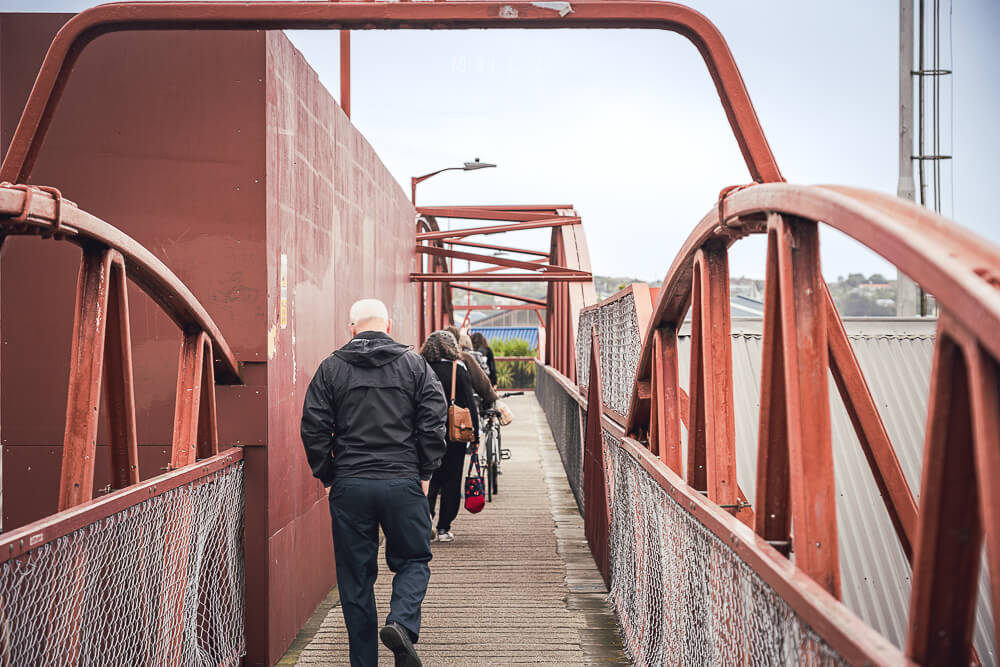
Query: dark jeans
column 447, row 481
column 358, row 507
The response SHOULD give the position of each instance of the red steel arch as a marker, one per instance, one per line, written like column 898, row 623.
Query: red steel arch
column 73, row 38
column 804, row 340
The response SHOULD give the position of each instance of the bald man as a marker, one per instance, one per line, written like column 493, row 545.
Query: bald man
column 373, row 427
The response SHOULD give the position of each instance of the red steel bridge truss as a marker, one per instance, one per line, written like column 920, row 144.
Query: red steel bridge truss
column 767, row 583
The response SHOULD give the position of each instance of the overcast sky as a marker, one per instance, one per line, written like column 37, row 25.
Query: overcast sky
column 627, row 126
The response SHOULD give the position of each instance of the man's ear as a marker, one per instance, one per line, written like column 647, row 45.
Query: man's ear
column 354, row 331
column 388, row 326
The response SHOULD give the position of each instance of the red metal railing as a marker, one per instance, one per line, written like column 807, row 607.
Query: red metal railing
column 79, row 552
column 803, row 340
column 102, row 348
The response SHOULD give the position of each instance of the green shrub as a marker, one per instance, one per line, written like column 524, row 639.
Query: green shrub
column 514, row 374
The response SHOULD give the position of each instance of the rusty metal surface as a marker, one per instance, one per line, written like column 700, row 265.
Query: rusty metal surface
column 339, row 229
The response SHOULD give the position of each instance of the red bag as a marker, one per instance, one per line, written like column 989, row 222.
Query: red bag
column 475, row 489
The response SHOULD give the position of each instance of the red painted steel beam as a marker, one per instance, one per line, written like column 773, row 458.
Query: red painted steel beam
column 538, row 208
column 486, row 213
column 597, row 518
column 46, row 215
column 195, row 429
column 712, row 459
column 554, row 276
column 487, row 246
column 447, row 236
column 773, row 495
column 86, row 369
column 481, row 306
column 805, row 366
column 499, row 261
column 950, row 532
column 667, row 406
column 88, row 25
column 345, row 72
column 119, row 386
column 503, row 295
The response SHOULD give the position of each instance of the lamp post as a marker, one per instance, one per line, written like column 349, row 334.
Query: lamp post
column 468, row 166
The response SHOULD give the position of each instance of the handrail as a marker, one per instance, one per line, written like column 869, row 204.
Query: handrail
column 44, row 213
column 20, row 541
column 804, row 342
column 83, row 28
column 955, row 265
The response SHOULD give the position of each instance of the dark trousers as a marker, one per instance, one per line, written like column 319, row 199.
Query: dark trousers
column 447, row 481
column 358, row 507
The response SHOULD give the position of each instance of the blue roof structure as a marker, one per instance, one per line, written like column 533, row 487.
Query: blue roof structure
column 529, row 334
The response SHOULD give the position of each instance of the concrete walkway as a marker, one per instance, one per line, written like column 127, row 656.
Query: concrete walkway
column 518, row 585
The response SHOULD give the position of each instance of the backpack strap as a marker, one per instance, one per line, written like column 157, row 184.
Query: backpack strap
column 454, row 367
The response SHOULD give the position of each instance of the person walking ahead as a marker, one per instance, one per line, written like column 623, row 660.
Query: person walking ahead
column 441, row 353
column 373, row 427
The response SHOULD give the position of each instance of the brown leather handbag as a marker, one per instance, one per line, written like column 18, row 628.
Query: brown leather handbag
column 460, row 427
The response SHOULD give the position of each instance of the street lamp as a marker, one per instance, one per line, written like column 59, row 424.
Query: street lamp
column 468, row 166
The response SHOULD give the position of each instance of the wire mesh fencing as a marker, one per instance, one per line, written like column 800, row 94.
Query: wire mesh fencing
column 617, row 325
column 158, row 583
column 683, row 596
column 566, row 421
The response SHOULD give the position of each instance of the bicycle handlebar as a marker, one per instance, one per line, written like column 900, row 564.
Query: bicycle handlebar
column 512, row 393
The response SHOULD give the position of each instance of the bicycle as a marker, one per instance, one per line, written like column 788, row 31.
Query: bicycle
column 490, row 428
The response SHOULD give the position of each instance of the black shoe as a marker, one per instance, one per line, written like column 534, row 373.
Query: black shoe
column 397, row 639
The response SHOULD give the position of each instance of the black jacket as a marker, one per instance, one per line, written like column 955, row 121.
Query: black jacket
column 378, row 408
column 464, row 397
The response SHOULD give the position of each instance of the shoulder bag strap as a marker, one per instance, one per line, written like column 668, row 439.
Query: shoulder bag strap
column 454, row 367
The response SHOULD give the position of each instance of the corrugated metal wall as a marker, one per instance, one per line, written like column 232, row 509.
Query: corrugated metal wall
column 895, row 357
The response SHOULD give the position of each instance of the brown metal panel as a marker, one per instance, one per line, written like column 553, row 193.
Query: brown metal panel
column 130, row 148
column 339, row 228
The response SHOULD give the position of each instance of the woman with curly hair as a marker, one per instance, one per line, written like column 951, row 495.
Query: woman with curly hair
column 441, row 352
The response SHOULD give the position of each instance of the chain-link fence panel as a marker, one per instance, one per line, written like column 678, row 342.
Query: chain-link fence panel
column 566, row 421
column 159, row 583
column 583, row 337
column 617, row 326
column 681, row 595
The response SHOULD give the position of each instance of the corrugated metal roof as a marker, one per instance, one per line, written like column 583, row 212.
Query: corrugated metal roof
column 529, row 334
column 895, row 356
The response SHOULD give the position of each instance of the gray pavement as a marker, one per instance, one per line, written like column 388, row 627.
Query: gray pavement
column 518, row 585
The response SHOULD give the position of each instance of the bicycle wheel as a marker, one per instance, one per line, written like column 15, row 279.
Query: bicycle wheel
column 489, row 465
column 494, row 470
